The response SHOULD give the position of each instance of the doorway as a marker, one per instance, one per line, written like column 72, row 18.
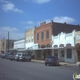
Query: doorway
column 78, row 55
column 62, row 55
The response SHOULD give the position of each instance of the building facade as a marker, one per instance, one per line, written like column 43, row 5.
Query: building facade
column 43, row 36
column 63, row 47
column 77, row 45
column 29, row 41
column 5, row 45
column 19, row 44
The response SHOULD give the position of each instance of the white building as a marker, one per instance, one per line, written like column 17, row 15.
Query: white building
column 63, row 47
column 19, row 44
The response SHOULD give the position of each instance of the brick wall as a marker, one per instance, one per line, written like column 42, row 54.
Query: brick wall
column 43, row 28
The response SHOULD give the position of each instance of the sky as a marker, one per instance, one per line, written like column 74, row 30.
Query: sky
column 16, row 16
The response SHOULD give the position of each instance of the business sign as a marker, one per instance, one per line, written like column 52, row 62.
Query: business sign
column 76, row 76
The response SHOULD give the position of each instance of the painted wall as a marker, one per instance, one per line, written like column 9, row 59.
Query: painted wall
column 19, row 44
column 63, row 38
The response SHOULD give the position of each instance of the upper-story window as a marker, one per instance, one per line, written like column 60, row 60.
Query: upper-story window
column 38, row 36
column 47, row 34
column 42, row 35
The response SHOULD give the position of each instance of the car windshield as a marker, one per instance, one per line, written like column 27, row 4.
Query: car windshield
column 19, row 54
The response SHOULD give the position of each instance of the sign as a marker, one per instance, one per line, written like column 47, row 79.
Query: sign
column 76, row 76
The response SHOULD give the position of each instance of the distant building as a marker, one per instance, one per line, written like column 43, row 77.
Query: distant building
column 5, row 45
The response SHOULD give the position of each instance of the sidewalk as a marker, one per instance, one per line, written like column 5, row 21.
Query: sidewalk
column 61, row 63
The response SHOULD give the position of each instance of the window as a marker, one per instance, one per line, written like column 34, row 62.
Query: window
column 69, row 53
column 47, row 34
column 42, row 36
column 48, row 45
column 38, row 36
column 3, row 44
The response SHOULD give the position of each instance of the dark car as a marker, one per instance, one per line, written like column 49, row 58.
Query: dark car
column 12, row 56
column 51, row 60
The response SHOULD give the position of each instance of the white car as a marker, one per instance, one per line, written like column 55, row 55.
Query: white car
column 22, row 57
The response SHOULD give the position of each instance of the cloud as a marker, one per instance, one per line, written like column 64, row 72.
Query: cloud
column 27, row 27
column 7, row 6
column 63, row 19
column 60, row 20
column 28, row 22
column 41, row 1
column 14, row 33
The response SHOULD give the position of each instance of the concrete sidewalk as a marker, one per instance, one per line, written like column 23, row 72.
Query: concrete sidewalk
column 61, row 63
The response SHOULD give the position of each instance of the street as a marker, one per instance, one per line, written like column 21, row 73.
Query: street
column 13, row 70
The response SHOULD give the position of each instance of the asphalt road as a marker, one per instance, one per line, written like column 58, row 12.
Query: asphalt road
column 12, row 70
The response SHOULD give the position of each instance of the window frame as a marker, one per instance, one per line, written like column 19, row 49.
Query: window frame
column 42, row 35
column 47, row 34
column 69, row 54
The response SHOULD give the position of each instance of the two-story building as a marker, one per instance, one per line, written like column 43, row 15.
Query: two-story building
column 29, row 41
column 63, row 47
column 43, row 36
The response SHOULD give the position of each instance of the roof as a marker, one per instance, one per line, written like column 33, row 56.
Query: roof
column 63, row 27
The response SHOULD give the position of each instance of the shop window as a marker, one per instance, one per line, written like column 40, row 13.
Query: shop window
column 69, row 53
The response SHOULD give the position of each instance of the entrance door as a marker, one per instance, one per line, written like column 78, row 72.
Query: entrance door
column 62, row 55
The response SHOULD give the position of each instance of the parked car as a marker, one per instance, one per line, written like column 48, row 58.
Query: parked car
column 12, row 56
column 7, row 55
column 51, row 60
column 22, row 57
column 2, row 55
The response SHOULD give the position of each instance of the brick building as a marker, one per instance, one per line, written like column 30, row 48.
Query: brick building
column 43, row 36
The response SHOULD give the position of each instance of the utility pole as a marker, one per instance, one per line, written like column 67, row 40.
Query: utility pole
column 8, row 41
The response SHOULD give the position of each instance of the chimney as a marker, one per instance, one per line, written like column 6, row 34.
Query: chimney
column 78, row 25
column 43, row 23
column 35, row 26
column 51, row 20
